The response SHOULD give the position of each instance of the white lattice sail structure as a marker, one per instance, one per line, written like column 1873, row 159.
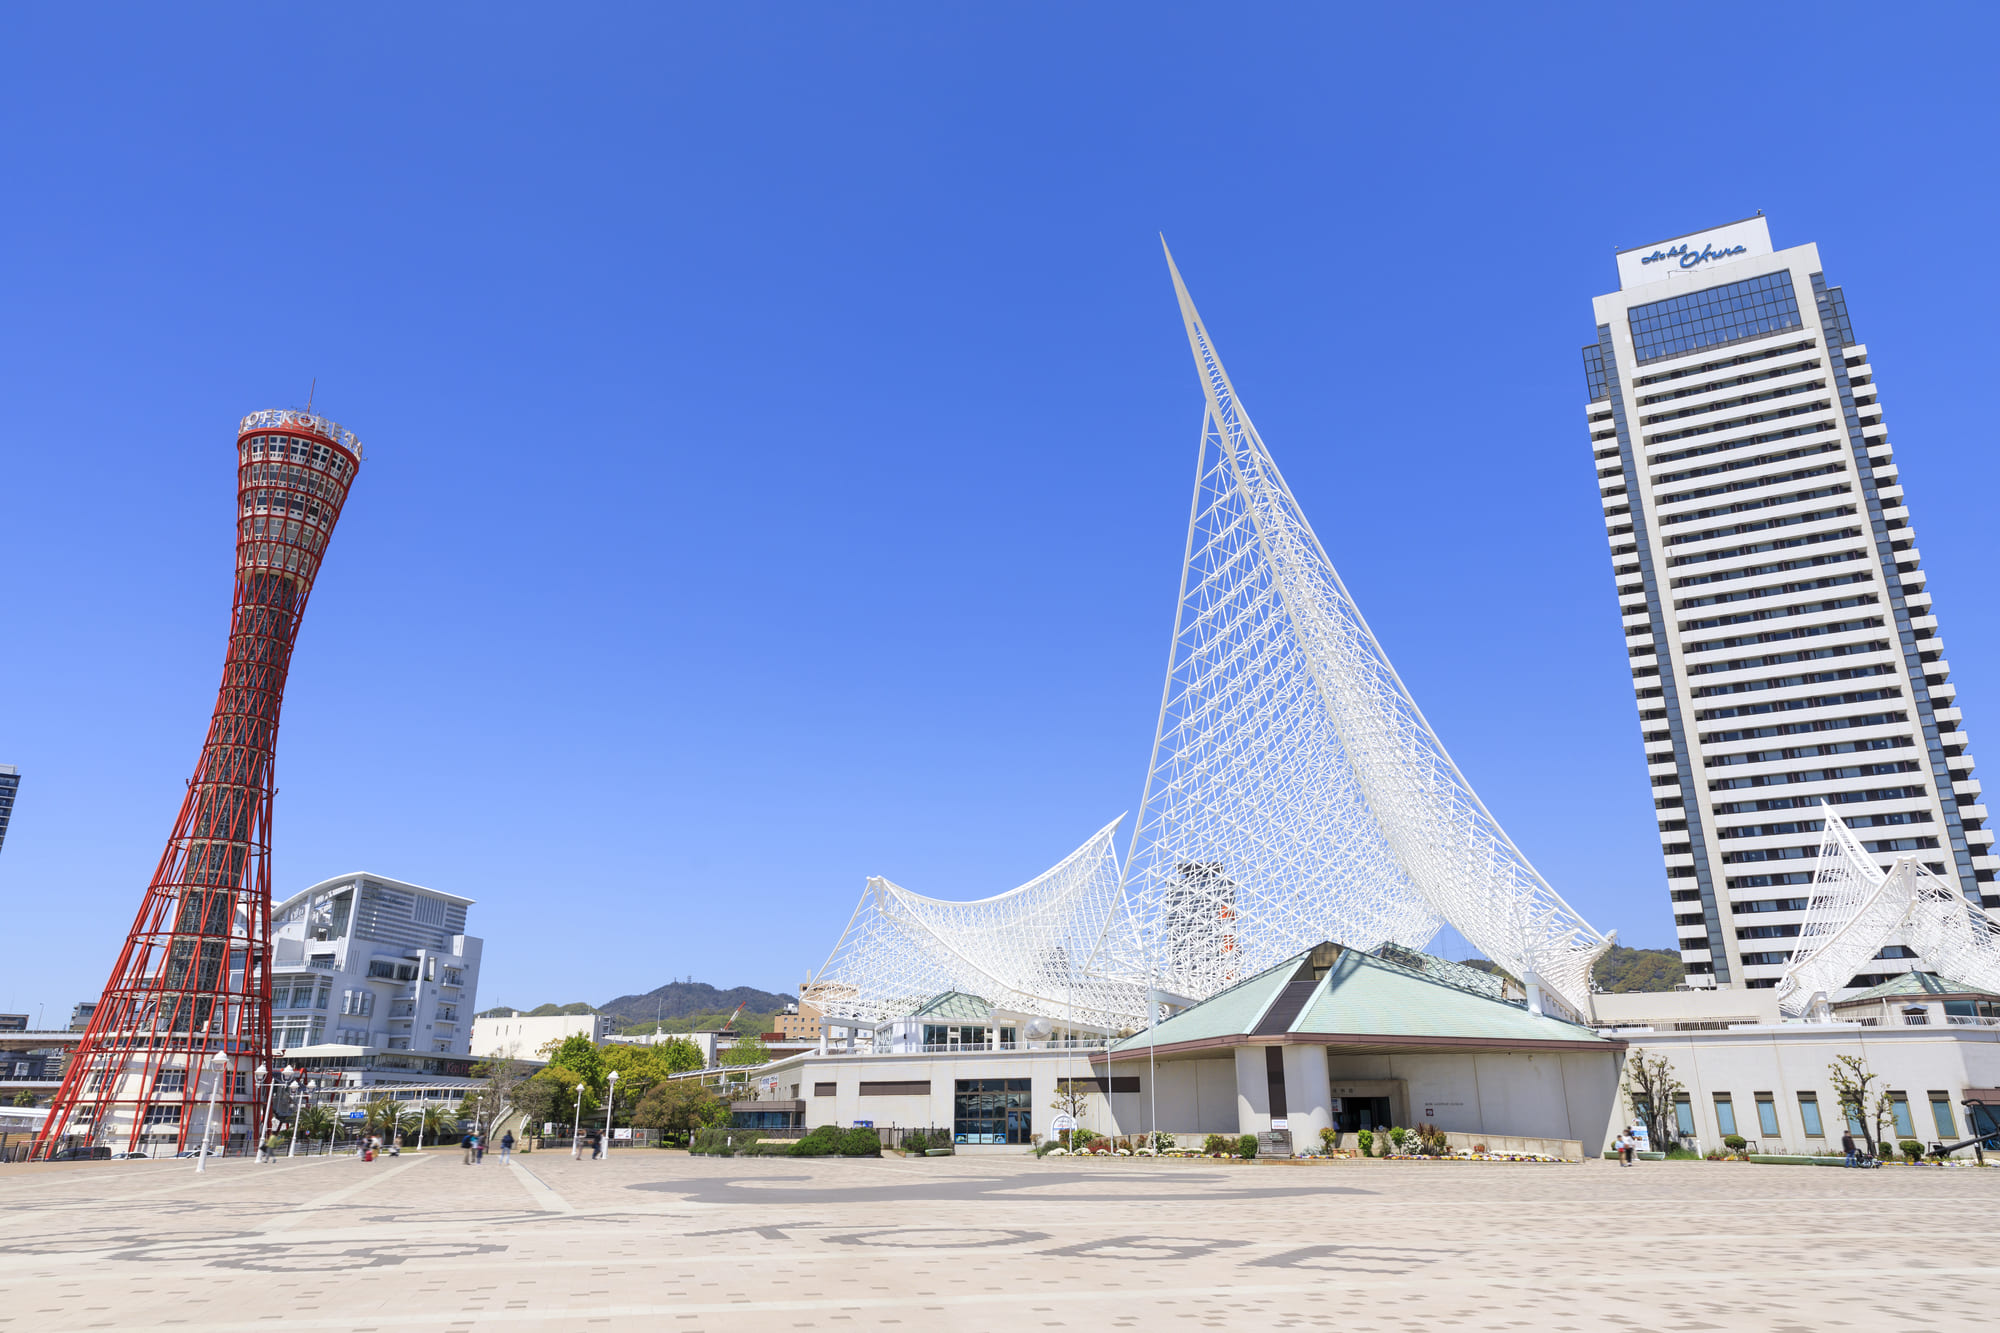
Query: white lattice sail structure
column 1296, row 792
column 1857, row 907
column 1038, row 949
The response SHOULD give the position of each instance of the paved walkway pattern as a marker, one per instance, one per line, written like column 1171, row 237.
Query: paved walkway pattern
column 656, row 1240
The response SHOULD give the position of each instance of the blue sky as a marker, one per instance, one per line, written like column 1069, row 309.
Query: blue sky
column 779, row 426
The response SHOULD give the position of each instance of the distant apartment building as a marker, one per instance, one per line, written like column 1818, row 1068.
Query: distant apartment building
column 1784, row 652
column 79, row 1016
column 371, row 972
column 10, row 785
column 802, row 1021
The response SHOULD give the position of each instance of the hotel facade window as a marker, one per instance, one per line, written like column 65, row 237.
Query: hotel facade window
column 1772, row 592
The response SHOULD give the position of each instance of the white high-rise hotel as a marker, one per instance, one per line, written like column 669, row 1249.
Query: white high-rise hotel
column 1784, row 651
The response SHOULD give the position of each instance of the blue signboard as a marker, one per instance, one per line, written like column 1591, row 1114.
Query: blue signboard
column 357, row 1115
column 864, row 1124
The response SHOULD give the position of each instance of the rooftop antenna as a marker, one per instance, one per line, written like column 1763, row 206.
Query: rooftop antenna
column 309, row 395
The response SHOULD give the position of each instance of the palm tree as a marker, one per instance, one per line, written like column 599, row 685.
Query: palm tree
column 315, row 1123
column 382, row 1115
column 438, row 1124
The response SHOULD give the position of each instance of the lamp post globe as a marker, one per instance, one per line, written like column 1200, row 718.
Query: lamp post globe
column 610, row 1096
column 576, row 1129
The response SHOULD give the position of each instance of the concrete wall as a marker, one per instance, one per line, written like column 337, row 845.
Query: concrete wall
column 1540, row 1094
column 522, row 1037
column 1787, row 1059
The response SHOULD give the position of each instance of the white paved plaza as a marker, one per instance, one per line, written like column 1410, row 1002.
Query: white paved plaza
column 658, row 1240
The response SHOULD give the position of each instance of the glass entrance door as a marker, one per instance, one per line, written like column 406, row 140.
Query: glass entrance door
column 1358, row 1113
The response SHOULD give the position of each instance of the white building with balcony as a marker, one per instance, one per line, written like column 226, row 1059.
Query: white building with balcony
column 374, row 980
column 1784, row 650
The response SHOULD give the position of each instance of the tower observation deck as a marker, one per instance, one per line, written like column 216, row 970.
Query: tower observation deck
column 186, row 1014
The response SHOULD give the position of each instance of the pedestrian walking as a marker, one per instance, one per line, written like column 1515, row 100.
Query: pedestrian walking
column 467, row 1143
column 596, row 1145
column 479, row 1150
column 507, row 1146
column 1847, row 1147
column 1631, row 1149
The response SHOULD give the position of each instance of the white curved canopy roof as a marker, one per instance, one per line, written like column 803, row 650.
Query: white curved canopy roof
column 1295, row 794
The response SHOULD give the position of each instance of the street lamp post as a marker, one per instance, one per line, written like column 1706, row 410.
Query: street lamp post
column 270, row 1098
column 576, row 1129
column 221, row 1063
column 610, row 1096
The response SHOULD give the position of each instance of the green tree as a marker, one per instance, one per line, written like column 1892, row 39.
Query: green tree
column 1072, row 1099
column 1850, row 1077
column 437, row 1125
column 384, row 1114
column 1652, row 1089
column 24, row 1098
column 681, row 1055
column 1622, row 970
column 317, row 1123
column 746, row 1051
column 680, row 1106
column 581, row 1057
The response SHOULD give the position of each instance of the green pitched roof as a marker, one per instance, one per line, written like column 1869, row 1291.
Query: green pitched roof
column 1366, row 996
column 955, row 1006
column 1915, row 983
column 1226, row 1013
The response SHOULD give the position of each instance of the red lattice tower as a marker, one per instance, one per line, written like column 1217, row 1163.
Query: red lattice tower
column 194, row 980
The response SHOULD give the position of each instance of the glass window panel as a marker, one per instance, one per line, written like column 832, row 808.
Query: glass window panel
column 1730, row 313
column 1767, row 1117
column 1684, row 1115
column 1941, row 1113
column 1725, row 1115
column 1809, row 1113
column 1899, row 1111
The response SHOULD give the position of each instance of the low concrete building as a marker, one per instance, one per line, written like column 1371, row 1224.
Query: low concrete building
column 1333, row 1038
column 1341, row 1039
column 1933, row 1045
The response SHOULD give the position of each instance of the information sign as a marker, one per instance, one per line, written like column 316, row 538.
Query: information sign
column 1281, row 1123
column 864, row 1124
column 1062, row 1123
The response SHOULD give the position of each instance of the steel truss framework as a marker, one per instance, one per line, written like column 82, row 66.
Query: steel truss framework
column 1858, row 907
column 1295, row 794
column 193, row 982
column 1037, row 949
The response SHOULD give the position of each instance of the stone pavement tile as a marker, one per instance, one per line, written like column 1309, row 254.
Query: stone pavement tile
column 659, row 1240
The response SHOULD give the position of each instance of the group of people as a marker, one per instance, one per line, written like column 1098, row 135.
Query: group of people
column 474, row 1144
column 1631, row 1141
column 596, row 1142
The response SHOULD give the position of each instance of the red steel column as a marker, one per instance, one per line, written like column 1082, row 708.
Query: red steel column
column 194, row 979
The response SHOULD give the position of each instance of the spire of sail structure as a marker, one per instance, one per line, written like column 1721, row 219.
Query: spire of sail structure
column 1857, row 907
column 1296, row 792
